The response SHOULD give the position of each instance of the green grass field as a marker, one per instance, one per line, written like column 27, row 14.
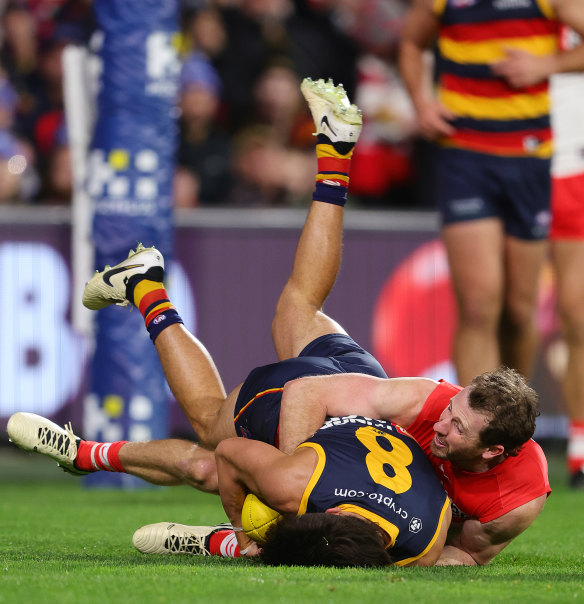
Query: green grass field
column 60, row 542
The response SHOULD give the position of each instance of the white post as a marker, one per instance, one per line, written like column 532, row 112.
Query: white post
column 80, row 83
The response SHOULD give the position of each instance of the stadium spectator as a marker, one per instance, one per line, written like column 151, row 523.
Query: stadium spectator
column 273, row 160
column 204, row 151
column 241, row 39
column 248, row 34
column 567, row 236
column 322, row 346
column 35, row 33
column 203, row 28
column 18, row 178
column 13, row 164
column 19, row 43
column 269, row 174
column 278, row 103
column 58, row 177
column 491, row 120
column 478, row 438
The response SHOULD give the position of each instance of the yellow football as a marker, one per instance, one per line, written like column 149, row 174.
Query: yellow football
column 257, row 518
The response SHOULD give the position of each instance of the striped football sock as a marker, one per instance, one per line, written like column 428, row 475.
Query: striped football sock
column 152, row 301
column 224, row 543
column 575, row 455
column 332, row 178
column 93, row 456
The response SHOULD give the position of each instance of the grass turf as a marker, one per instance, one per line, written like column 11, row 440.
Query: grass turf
column 60, row 542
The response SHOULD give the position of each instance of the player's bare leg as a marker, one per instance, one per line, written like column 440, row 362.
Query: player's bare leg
column 195, row 383
column 519, row 337
column 164, row 462
column 475, row 255
column 568, row 256
column 299, row 318
column 171, row 462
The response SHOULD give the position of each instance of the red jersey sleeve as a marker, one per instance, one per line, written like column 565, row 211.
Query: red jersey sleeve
column 422, row 428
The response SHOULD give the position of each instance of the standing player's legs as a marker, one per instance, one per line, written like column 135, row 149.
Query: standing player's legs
column 568, row 256
column 299, row 318
column 495, row 279
column 526, row 187
column 475, row 254
column 496, row 215
column 473, row 234
column 518, row 333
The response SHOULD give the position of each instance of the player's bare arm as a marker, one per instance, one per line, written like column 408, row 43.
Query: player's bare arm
column 306, row 402
column 478, row 544
column 434, row 555
column 249, row 466
column 521, row 68
column 418, row 34
column 570, row 13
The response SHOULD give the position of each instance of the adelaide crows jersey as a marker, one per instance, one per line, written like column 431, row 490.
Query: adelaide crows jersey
column 492, row 116
column 375, row 469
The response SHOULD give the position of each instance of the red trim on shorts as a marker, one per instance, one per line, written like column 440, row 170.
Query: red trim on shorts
column 258, row 395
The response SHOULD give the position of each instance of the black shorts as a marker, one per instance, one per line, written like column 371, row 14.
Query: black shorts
column 257, row 410
column 471, row 186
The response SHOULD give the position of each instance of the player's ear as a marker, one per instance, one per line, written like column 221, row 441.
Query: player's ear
column 494, row 451
column 336, row 511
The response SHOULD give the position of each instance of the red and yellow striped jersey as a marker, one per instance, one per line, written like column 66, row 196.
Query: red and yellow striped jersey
column 491, row 116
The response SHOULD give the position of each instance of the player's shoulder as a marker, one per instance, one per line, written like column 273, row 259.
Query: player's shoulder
column 523, row 477
column 438, row 394
column 532, row 452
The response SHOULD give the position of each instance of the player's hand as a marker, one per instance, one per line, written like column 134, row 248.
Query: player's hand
column 521, row 68
column 434, row 120
column 251, row 550
column 248, row 547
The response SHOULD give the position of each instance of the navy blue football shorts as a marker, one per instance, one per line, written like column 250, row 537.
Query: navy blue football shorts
column 257, row 410
column 471, row 186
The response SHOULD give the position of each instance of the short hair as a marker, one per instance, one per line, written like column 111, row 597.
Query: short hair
column 512, row 405
column 325, row 540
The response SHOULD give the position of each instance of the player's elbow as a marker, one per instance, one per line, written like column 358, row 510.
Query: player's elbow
column 226, row 449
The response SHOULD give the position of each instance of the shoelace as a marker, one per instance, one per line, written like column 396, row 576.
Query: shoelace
column 64, row 444
column 187, row 544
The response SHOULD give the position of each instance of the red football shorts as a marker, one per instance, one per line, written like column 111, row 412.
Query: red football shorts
column 568, row 207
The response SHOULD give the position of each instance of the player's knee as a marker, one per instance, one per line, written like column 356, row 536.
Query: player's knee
column 200, row 471
column 480, row 311
column 571, row 312
column 519, row 313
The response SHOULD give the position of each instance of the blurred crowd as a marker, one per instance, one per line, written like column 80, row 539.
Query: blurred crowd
column 245, row 131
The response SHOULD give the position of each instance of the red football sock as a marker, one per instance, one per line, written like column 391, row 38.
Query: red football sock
column 224, row 544
column 575, row 456
column 93, row 456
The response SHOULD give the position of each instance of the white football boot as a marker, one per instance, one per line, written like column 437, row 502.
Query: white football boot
column 333, row 114
column 109, row 286
column 172, row 538
column 37, row 434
